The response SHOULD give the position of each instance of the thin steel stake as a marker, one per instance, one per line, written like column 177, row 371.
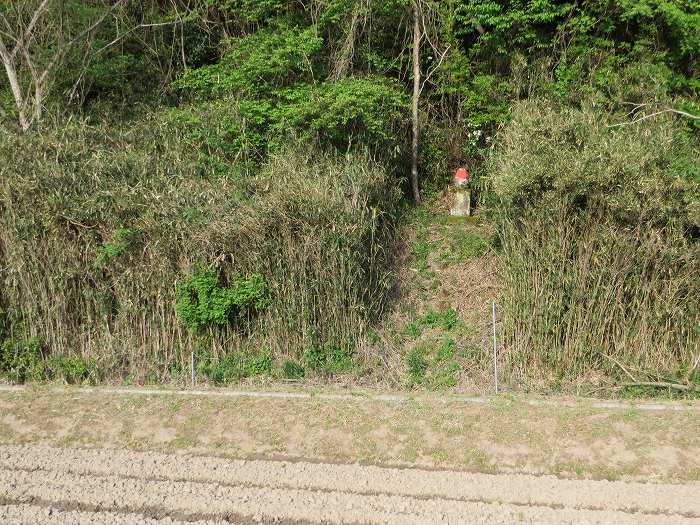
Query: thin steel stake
column 495, row 353
column 192, row 369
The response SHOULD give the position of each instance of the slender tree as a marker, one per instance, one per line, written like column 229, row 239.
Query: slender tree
column 31, row 49
column 417, row 37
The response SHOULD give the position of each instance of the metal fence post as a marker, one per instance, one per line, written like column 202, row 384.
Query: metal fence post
column 192, row 368
column 495, row 353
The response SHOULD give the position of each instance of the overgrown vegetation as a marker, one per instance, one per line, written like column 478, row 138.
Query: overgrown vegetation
column 224, row 179
column 137, row 300
column 600, row 245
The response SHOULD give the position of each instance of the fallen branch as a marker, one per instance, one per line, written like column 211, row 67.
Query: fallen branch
column 623, row 368
column 675, row 386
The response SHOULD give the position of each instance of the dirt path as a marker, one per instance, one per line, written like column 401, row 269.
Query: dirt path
column 84, row 485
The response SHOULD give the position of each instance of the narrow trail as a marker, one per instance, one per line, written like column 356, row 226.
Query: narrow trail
column 41, row 484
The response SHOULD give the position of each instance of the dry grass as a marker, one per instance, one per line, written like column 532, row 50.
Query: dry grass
column 506, row 435
column 97, row 231
column 600, row 257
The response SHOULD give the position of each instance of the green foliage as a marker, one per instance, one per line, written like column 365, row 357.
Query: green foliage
column 250, row 11
column 327, row 358
column 445, row 319
column 255, row 64
column 22, row 360
column 235, row 366
column 200, row 300
column 434, row 363
column 115, row 247
column 292, row 370
column 366, row 110
column 535, row 25
column 72, row 369
column 416, row 366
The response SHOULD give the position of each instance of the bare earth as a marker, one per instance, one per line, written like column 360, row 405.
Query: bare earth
column 100, row 457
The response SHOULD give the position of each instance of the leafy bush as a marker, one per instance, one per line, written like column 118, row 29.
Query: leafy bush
column 200, row 300
column 368, row 111
column 292, row 370
column 417, row 367
column 647, row 173
column 71, row 369
column 235, row 366
column 22, row 360
column 255, row 64
column 115, row 247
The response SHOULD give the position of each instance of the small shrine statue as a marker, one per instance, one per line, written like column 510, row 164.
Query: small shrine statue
column 462, row 194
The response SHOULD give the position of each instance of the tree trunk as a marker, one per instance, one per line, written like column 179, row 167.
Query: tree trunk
column 11, row 73
column 416, row 95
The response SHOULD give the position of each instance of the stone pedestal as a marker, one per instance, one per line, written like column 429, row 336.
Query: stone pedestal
column 462, row 202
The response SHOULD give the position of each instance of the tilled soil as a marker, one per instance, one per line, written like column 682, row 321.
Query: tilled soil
column 40, row 484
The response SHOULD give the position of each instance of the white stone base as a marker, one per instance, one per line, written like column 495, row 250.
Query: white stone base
column 462, row 203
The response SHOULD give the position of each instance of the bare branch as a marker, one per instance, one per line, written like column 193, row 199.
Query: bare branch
column 22, row 42
column 4, row 53
column 656, row 113
column 629, row 374
column 9, row 28
column 654, row 384
column 140, row 26
column 683, row 113
column 65, row 47
column 437, row 66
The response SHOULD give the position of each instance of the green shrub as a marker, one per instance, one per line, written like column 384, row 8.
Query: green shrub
column 258, row 365
column 201, row 301
column 645, row 174
column 256, row 63
column 234, row 366
column 71, row 369
column 117, row 245
column 292, row 370
column 22, row 360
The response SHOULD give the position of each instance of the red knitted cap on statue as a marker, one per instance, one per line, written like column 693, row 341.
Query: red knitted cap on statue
column 461, row 174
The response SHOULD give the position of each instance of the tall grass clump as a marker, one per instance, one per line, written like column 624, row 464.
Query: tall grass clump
column 127, row 249
column 601, row 245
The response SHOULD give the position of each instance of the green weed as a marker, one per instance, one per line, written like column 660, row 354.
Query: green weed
column 292, row 370
column 72, row 369
column 117, row 245
column 417, row 367
column 200, row 299
column 327, row 358
column 22, row 360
